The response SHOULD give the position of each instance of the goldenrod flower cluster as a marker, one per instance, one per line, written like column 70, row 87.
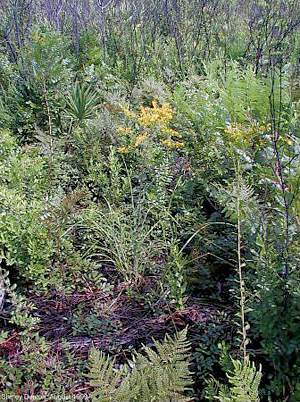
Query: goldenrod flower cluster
column 126, row 130
column 238, row 132
column 152, row 120
column 241, row 135
column 155, row 114
column 171, row 132
column 130, row 114
column 124, row 150
column 140, row 139
column 172, row 144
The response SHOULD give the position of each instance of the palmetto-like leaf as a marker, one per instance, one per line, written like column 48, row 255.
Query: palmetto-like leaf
column 82, row 102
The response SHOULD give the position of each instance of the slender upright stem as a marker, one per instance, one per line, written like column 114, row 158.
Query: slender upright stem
column 241, row 282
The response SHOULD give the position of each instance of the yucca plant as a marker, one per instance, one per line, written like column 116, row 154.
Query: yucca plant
column 82, row 102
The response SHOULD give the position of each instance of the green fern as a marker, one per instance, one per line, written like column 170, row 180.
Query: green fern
column 228, row 195
column 242, row 92
column 161, row 375
column 243, row 386
column 244, row 382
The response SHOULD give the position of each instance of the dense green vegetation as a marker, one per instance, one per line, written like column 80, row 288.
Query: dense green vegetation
column 149, row 200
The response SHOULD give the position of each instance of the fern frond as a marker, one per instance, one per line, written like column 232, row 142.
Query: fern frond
column 242, row 191
column 244, row 383
column 161, row 375
column 103, row 377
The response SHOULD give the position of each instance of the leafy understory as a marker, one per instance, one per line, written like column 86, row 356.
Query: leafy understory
column 149, row 200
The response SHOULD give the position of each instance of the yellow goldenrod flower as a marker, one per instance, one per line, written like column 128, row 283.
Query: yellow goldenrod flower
column 237, row 133
column 172, row 144
column 167, row 142
column 165, row 113
column 155, row 114
column 178, row 144
column 126, row 130
column 257, row 129
column 171, row 132
column 140, row 139
column 130, row 114
column 124, row 150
